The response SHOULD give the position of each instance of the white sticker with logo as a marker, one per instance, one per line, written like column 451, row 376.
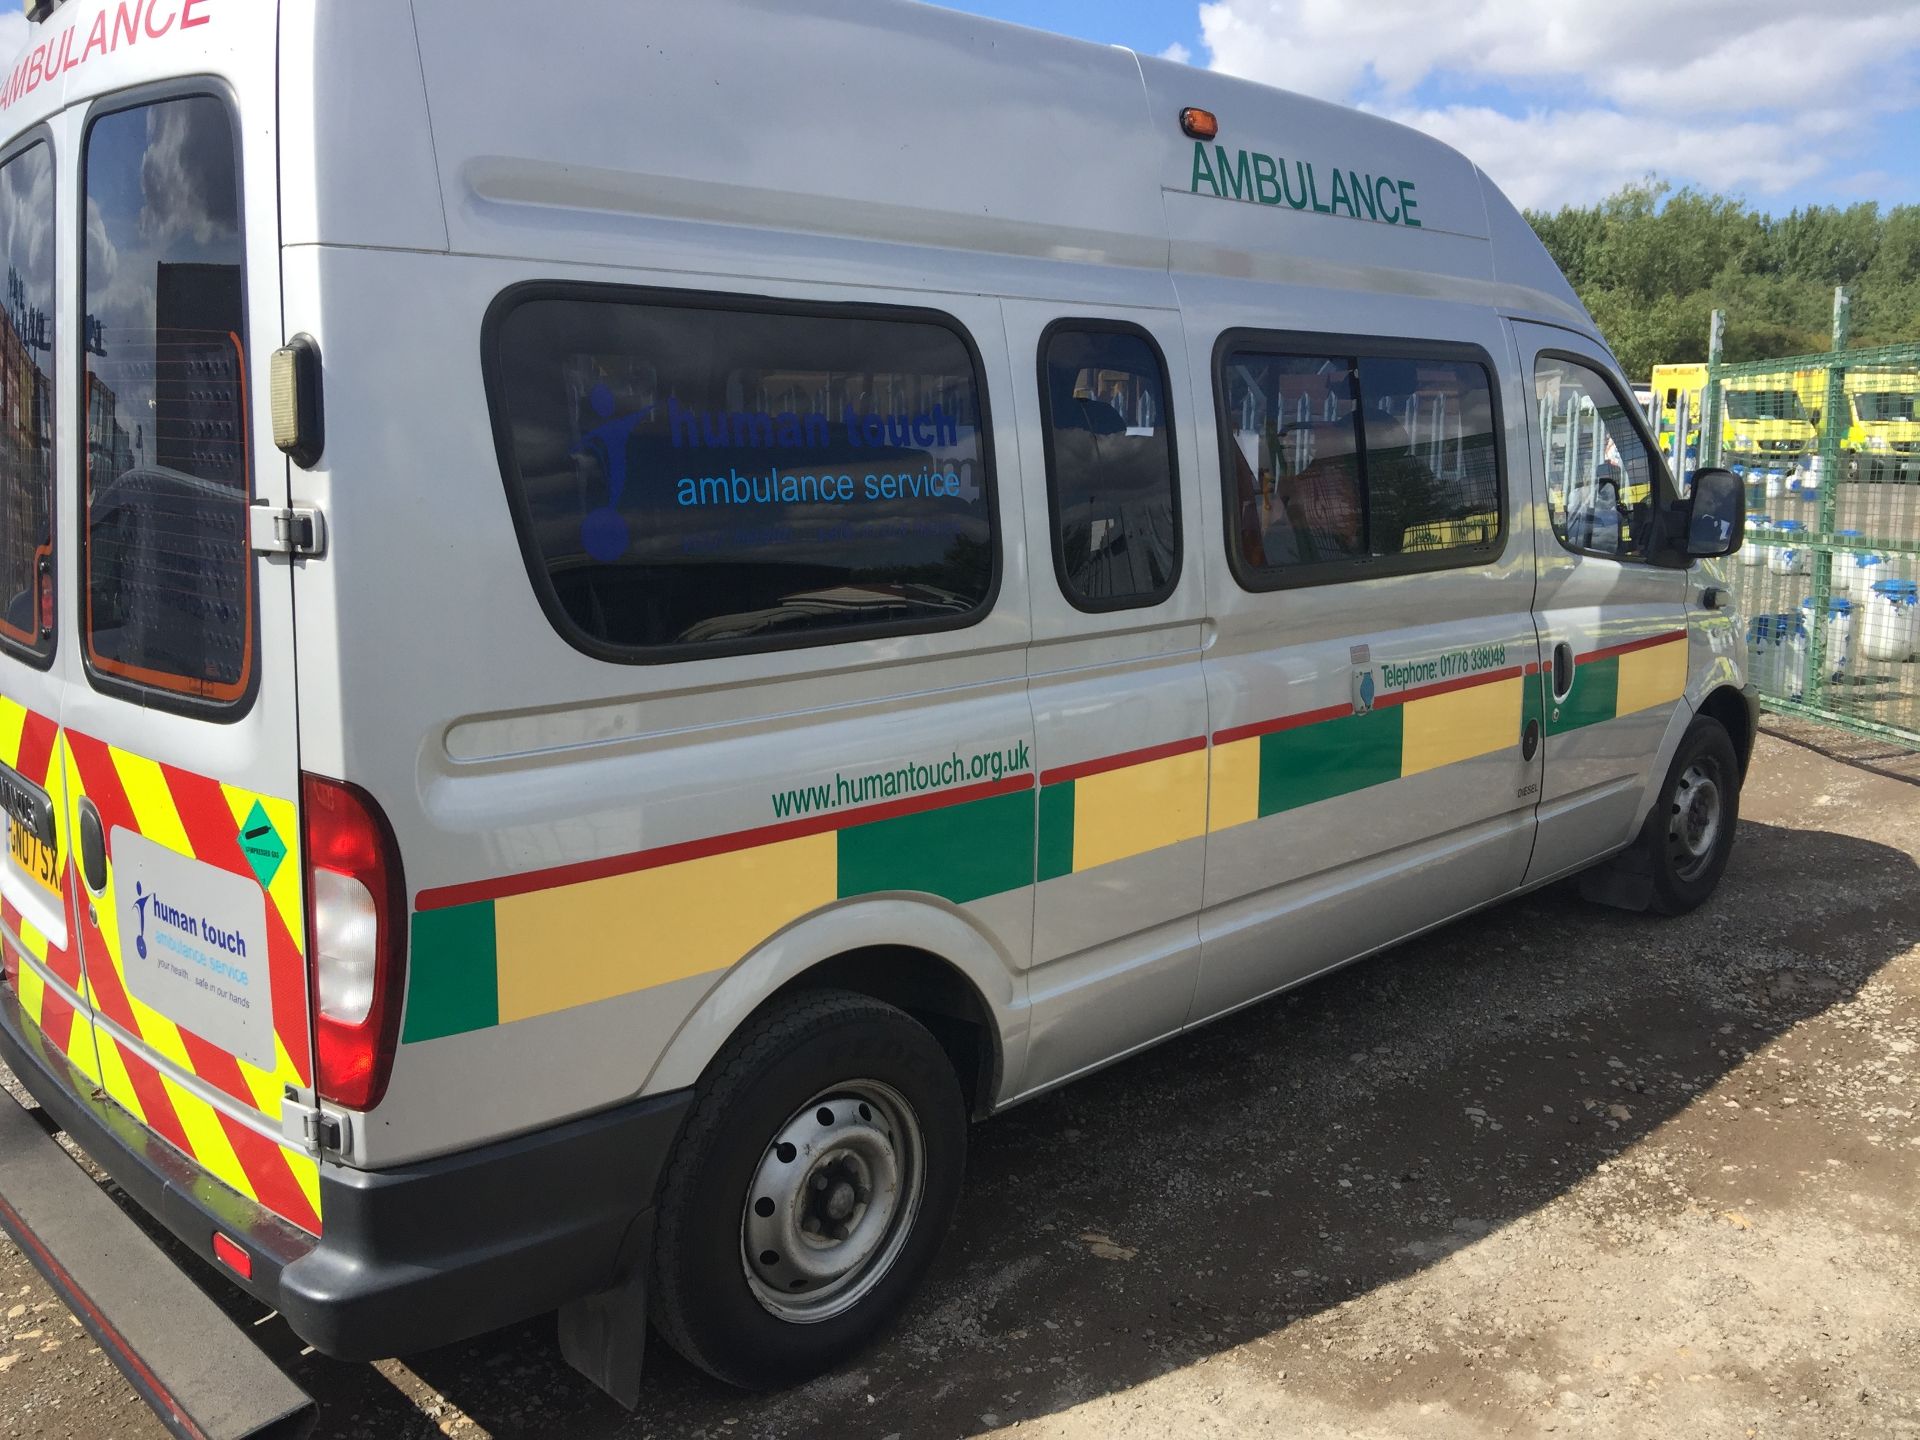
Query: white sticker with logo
column 193, row 942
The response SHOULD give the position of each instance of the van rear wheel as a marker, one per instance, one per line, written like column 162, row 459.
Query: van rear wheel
column 1688, row 837
column 810, row 1190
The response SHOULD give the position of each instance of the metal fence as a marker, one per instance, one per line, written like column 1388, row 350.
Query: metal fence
column 1829, row 446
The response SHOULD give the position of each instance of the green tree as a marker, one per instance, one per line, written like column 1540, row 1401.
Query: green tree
column 1652, row 263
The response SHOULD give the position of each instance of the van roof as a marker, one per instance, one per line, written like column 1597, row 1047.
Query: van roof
column 851, row 140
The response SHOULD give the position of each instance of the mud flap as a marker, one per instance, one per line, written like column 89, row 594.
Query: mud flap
column 1624, row 882
column 198, row 1370
column 604, row 1336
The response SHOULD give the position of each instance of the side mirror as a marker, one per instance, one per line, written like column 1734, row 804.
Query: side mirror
column 1813, row 417
column 1716, row 515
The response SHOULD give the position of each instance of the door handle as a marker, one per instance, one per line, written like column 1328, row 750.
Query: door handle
column 1562, row 672
column 93, row 847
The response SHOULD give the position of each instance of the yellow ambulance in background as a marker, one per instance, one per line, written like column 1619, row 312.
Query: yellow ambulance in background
column 1880, row 434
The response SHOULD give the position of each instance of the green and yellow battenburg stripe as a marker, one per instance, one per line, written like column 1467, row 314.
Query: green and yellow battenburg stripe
column 1300, row 760
column 496, row 952
column 1624, row 680
column 536, row 945
column 1110, row 810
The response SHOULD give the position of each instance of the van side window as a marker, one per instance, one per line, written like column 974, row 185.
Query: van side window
column 1343, row 466
column 1601, row 489
column 26, row 404
column 1111, row 482
column 693, row 475
column 168, row 595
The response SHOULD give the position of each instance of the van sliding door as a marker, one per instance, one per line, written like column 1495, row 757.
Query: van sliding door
column 1119, row 698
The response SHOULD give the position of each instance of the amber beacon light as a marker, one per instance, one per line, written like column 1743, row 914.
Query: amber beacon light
column 1200, row 124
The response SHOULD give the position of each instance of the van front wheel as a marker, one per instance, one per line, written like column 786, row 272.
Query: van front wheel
column 1688, row 837
column 809, row 1191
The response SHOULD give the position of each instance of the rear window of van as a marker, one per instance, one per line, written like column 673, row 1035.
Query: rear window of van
column 168, row 570
column 697, row 475
column 26, row 403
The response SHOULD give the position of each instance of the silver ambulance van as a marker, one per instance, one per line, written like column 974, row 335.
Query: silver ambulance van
column 620, row 616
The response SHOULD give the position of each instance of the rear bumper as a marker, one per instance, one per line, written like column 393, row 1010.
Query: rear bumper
column 412, row 1258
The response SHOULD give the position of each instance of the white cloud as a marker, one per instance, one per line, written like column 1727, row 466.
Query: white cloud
column 1751, row 95
column 1179, row 54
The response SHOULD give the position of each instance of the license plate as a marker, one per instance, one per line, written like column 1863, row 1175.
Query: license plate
column 32, row 856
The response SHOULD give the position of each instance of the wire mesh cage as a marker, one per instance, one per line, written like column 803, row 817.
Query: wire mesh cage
column 1829, row 448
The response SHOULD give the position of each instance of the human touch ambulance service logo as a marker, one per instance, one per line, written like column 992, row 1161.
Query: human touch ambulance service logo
column 193, row 941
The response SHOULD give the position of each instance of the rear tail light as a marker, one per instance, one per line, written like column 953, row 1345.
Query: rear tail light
column 356, row 911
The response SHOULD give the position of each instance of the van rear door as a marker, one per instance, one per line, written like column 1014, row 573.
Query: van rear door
column 38, row 946
column 183, row 770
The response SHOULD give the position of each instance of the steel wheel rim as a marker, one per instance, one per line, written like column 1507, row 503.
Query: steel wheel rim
column 1698, row 816
column 832, row 1202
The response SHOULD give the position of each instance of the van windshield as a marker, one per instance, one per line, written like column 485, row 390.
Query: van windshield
column 1764, row 405
column 1886, row 405
column 26, row 402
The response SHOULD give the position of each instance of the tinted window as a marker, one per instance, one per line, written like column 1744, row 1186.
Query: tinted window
column 168, row 571
column 1116, row 521
column 26, row 402
column 1360, row 463
column 698, row 475
column 1600, row 476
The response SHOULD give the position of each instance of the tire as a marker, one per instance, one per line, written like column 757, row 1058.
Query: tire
column 1689, row 834
column 828, row 1086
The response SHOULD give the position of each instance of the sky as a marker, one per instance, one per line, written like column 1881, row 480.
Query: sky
column 1781, row 102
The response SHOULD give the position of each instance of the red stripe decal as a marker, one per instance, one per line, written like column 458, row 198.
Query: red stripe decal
column 36, row 748
column 1090, row 768
column 1285, row 722
column 448, row 897
column 56, row 1019
column 1613, row 652
column 1449, row 687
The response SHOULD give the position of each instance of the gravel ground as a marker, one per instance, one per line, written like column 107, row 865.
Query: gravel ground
column 1555, row 1170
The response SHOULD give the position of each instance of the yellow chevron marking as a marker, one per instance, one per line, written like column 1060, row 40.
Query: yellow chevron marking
column 13, row 725
column 1236, row 786
column 113, row 1075
column 33, row 994
column 285, row 889
column 153, row 808
column 269, row 1090
column 80, row 1048
column 206, row 1141
column 34, row 942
